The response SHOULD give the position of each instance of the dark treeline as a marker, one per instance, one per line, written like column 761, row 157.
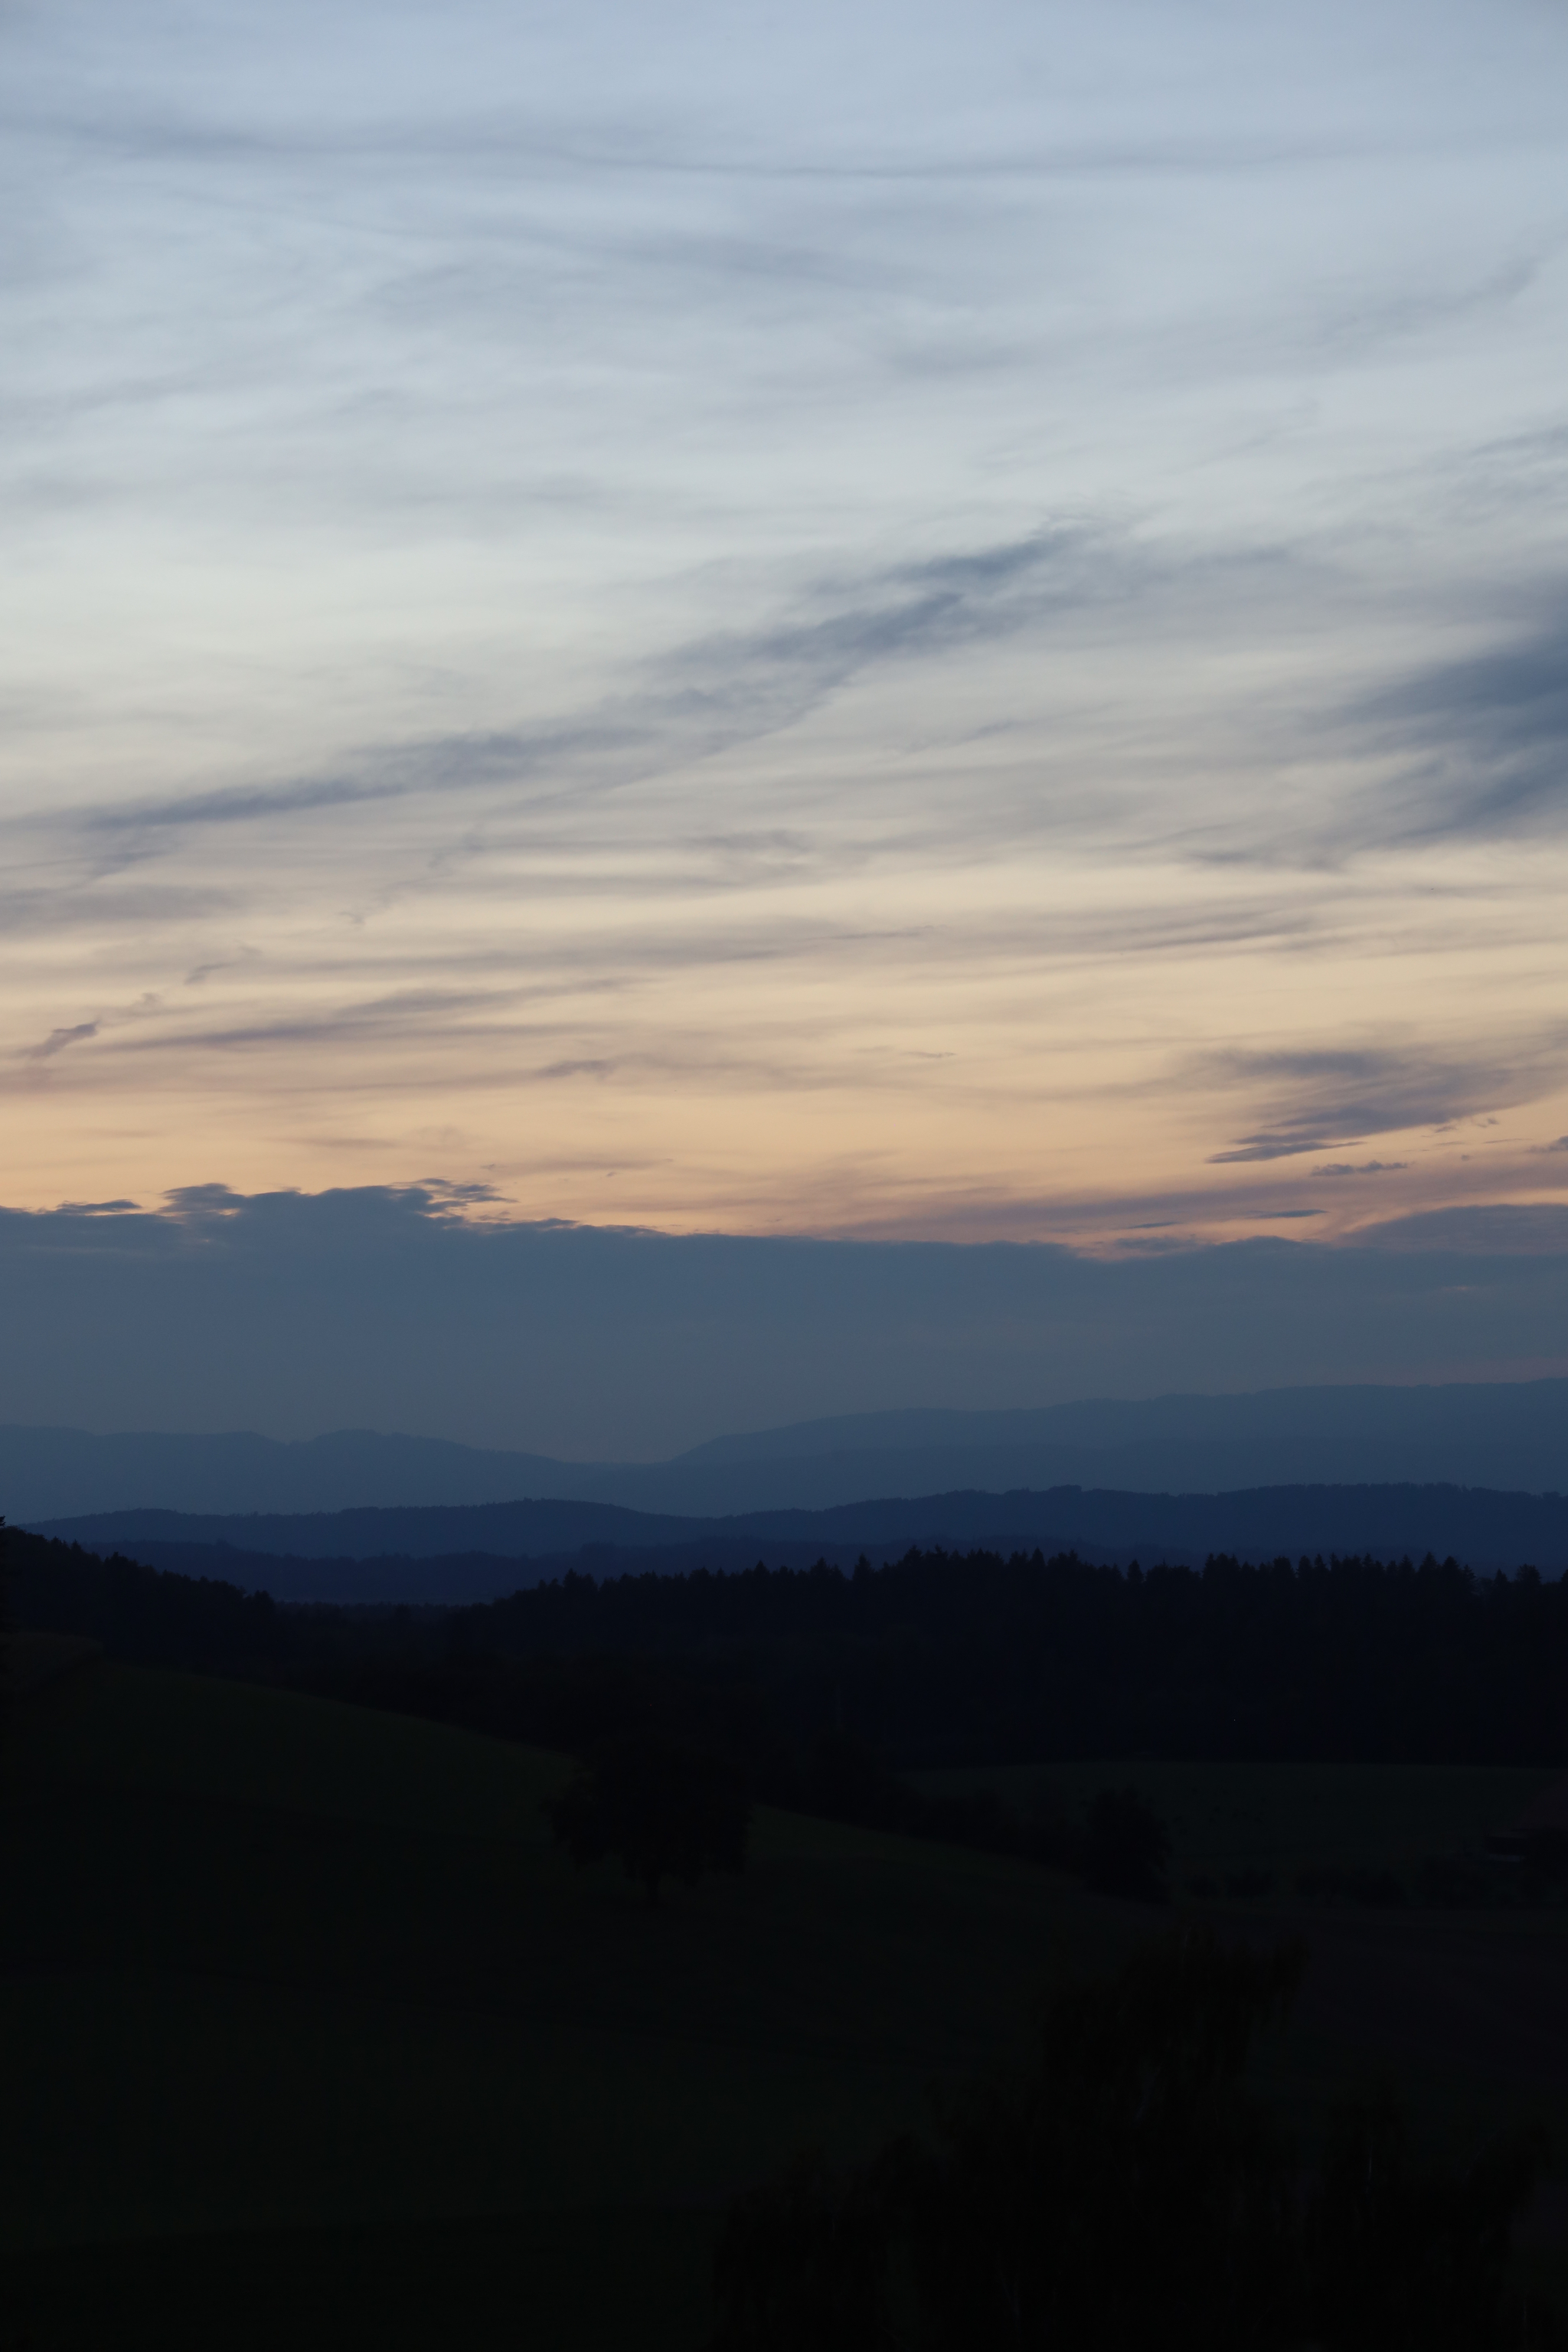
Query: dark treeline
column 942, row 1658
column 937, row 1659
column 140, row 1615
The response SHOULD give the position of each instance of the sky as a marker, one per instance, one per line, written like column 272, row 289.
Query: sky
column 896, row 622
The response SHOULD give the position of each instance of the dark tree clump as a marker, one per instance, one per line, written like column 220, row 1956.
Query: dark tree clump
column 1129, row 2178
column 1408, row 2254
column 1131, row 2189
column 1126, row 1847
column 669, row 1810
column 941, row 1660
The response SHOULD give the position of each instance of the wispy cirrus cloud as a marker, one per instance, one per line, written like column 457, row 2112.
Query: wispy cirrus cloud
column 58, row 1039
column 700, row 698
column 886, row 622
column 1478, row 745
column 1328, row 1096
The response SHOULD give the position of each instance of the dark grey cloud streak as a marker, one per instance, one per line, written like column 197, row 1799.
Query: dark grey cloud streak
column 702, row 698
column 1473, row 749
column 58, row 1039
column 1321, row 1099
column 1479, row 745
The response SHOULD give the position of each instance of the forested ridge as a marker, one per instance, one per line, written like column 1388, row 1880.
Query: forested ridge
column 939, row 1657
column 1024, row 1658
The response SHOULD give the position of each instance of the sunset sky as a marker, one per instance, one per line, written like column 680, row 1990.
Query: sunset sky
column 873, row 620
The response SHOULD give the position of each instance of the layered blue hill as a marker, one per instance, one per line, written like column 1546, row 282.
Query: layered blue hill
column 1510, row 1436
column 450, row 1554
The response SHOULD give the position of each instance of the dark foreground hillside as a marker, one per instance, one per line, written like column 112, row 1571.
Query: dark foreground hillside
column 309, row 2036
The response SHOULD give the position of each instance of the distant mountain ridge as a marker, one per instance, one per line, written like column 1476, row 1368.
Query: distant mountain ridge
column 1508, row 1437
column 471, row 1552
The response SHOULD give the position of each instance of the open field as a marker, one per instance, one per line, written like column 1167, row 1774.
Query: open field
column 284, row 1967
column 303, row 2014
column 1226, row 1819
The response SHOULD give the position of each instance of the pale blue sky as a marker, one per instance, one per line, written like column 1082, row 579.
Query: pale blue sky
column 878, row 620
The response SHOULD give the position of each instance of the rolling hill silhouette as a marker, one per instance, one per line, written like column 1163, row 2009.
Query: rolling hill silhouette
column 447, row 1555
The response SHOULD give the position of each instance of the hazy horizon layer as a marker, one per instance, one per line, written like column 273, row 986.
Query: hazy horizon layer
column 292, row 1314
column 1501, row 1437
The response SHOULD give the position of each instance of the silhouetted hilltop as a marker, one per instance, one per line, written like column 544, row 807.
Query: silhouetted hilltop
column 140, row 1614
column 504, row 1546
column 511, row 1528
column 1499, row 1420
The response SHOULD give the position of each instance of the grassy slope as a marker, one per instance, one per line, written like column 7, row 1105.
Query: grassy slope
column 282, row 1968
column 1279, row 1817
column 1465, row 2009
column 274, row 1964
